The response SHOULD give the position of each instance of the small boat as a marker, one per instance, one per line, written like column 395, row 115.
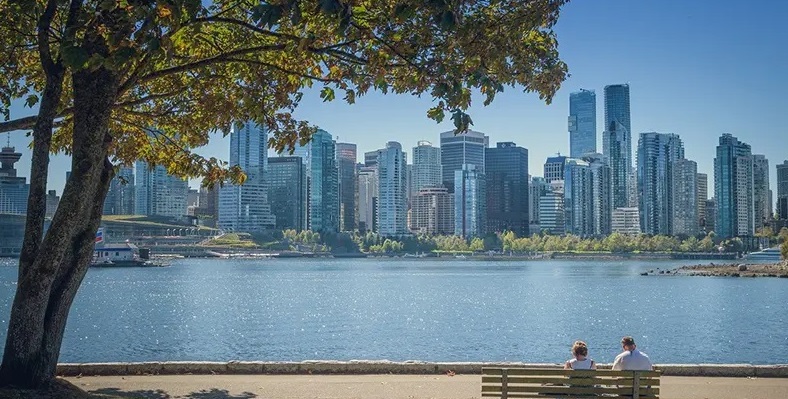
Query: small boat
column 460, row 256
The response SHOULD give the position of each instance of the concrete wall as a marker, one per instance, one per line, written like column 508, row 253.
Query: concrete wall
column 383, row 367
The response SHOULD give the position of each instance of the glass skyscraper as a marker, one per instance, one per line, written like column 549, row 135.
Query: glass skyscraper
column 506, row 172
column 346, row 162
column 761, row 192
column 733, row 188
column 617, row 141
column 426, row 166
column 120, row 197
column 158, row 193
column 582, row 123
column 461, row 149
column 392, row 199
column 782, row 190
column 13, row 190
column 685, row 198
column 469, row 202
column 657, row 154
column 323, row 184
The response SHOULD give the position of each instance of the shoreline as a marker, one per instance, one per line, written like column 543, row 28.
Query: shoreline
column 774, row 270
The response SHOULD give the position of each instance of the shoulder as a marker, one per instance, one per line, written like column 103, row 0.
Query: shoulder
column 623, row 355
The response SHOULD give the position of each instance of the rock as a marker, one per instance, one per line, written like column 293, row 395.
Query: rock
column 742, row 268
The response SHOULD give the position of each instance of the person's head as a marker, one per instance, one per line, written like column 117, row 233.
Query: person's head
column 628, row 343
column 579, row 349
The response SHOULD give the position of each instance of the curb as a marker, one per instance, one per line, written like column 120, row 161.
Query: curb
column 383, row 367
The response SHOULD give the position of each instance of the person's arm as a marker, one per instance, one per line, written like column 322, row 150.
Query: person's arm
column 567, row 365
column 593, row 365
column 617, row 364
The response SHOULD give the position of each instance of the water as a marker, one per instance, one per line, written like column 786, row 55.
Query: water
column 432, row 310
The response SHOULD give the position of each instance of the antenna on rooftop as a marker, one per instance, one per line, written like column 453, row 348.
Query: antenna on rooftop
column 8, row 139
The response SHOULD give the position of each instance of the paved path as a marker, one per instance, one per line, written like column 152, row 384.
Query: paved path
column 384, row 386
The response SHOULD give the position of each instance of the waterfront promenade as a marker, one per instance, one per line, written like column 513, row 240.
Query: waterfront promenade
column 380, row 386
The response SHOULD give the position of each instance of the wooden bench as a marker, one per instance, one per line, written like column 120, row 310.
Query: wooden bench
column 556, row 383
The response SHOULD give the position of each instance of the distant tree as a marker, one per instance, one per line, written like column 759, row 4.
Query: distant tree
column 477, row 244
column 784, row 250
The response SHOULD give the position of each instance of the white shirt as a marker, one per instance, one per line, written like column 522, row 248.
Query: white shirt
column 581, row 364
column 632, row 360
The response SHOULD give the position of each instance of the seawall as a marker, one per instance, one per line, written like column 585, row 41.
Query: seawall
column 383, row 367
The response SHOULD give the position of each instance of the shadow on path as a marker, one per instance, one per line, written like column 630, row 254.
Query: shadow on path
column 219, row 394
column 213, row 393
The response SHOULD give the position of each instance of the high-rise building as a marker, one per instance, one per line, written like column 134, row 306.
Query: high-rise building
column 685, row 198
column 52, row 202
column 13, row 190
column 426, row 166
column 626, row 221
column 537, row 188
column 120, row 197
column 370, row 158
column 323, row 184
column 733, row 188
column 506, row 171
column 551, row 209
column 782, row 190
column 208, row 209
column 602, row 194
column 368, row 198
column 245, row 207
column 711, row 215
column 461, row 149
column 657, row 154
column 432, row 212
column 617, row 141
column 582, row 123
column 469, row 202
column 287, row 192
column 587, row 196
column 158, row 193
column 703, row 195
column 632, row 189
column 346, row 162
column 761, row 191
column 392, row 188
column 554, row 168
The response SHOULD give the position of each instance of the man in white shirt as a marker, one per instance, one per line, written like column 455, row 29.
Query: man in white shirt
column 631, row 358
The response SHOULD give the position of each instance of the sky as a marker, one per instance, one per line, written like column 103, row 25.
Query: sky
column 696, row 68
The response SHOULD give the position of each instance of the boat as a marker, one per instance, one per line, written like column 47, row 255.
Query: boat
column 460, row 256
column 119, row 255
column 766, row 255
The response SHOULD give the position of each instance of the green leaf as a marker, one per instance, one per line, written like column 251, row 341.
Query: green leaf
column 31, row 100
column 74, row 56
column 327, row 94
column 436, row 114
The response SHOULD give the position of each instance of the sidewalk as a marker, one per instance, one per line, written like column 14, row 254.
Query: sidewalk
column 383, row 386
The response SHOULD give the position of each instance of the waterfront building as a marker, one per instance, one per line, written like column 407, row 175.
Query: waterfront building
column 657, row 154
column 287, row 192
column 323, row 215
column 392, row 189
column 14, row 190
column 551, row 209
column 537, row 188
column 782, row 190
column 617, row 141
column 685, row 198
column 120, row 197
column 554, row 168
column 368, row 198
column 370, row 158
column 626, row 221
column 733, row 188
column 426, row 166
column 52, row 202
column 506, row 172
column 461, row 149
column 348, row 189
column 761, row 193
column 245, row 207
column 432, row 212
column 582, row 123
column 587, row 196
column 633, row 201
column 157, row 193
column 601, row 195
column 207, row 210
column 469, row 202
column 711, row 212
column 703, row 195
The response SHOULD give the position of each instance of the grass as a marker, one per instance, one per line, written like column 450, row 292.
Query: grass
column 233, row 240
column 151, row 221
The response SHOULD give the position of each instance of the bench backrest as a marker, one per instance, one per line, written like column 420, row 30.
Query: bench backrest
column 546, row 383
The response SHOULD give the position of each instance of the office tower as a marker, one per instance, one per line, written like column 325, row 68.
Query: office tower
column 53, row 201
column 461, row 149
column 346, row 162
column 120, row 197
column 587, row 196
column 408, row 180
column 392, row 189
column 602, row 196
column 761, row 192
column 368, row 198
column 626, row 221
column 617, row 141
column 554, row 168
column 657, row 153
column 685, row 198
column 733, row 188
column 703, row 195
column 432, row 212
column 536, row 190
column 426, row 166
column 551, row 209
column 323, row 183
column 245, row 207
column 506, row 172
column 469, row 201
column 208, row 209
column 286, row 178
column 632, row 189
column 157, row 193
column 13, row 190
column 371, row 158
column 582, row 123
column 782, row 190
column 711, row 215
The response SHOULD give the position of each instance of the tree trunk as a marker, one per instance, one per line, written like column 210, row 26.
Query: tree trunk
column 46, row 288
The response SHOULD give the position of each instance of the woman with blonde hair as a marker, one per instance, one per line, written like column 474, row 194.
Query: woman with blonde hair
column 581, row 361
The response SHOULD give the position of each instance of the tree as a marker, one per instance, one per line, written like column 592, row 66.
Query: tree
column 784, row 251
column 127, row 80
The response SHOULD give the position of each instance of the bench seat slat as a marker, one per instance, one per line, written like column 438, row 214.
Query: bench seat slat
column 578, row 373
column 623, row 382
column 570, row 390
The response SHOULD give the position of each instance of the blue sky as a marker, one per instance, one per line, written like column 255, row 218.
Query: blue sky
column 696, row 68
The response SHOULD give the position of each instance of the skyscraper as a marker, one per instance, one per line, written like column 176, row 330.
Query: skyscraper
column 537, row 188
column 469, row 202
column 323, row 184
column 245, row 207
column 432, row 212
column 368, row 198
column 120, row 197
column 286, row 178
column 617, row 140
column 782, row 190
column 348, row 189
column 13, row 190
column 761, row 191
column 506, row 172
column 703, row 195
column 657, row 154
column 158, row 193
column 685, row 198
column 551, row 209
column 587, row 196
column 426, row 166
column 602, row 196
column 461, row 149
column 392, row 199
column 582, row 123
column 554, row 168
column 733, row 188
